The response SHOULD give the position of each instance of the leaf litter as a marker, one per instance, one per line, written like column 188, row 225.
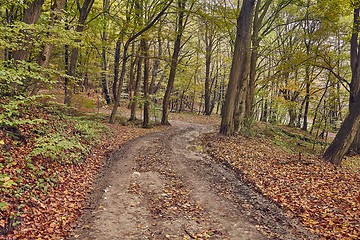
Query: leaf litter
column 325, row 198
column 42, row 196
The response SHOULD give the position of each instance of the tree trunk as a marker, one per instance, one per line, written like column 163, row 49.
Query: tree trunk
column 292, row 115
column 318, row 106
column 255, row 40
column 84, row 12
column 134, row 99
column 156, row 62
column 116, row 68
column 44, row 56
column 31, row 16
column 345, row 136
column 355, row 80
column 145, row 50
column 123, row 67
column 348, row 131
column 238, row 67
column 264, row 112
column 66, row 79
column 170, row 84
column 215, row 96
column 132, row 86
column 241, row 98
column 298, row 124
column 104, row 81
column 209, row 41
column 174, row 62
column 121, row 81
column 306, row 110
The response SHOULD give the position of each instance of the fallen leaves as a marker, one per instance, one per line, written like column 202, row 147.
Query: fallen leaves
column 40, row 197
column 325, row 198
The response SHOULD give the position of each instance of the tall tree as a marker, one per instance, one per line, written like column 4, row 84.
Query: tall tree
column 355, row 69
column 145, row 49
column 180, row 27
column 31, row 16
column 210, row 38
column 351, row 125
column 84, row 11
column 265, row 16
column 239, row 70
column 135, row 95
column 44, row 56
column 104, row 50
column 125, row 57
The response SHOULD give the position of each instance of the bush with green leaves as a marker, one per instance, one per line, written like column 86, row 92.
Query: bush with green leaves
column 59, row 147
column 69, row 147
column 10, row 115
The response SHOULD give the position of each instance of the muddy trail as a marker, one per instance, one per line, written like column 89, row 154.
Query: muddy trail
column 162, row 186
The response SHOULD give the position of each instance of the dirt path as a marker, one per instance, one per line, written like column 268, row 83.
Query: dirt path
column 161, row 187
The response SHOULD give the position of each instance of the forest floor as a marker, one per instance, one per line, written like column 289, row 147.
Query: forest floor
column 162, row 186
column 178, row 182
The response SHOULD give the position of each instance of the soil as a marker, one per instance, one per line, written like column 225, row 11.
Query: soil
column 164, row 186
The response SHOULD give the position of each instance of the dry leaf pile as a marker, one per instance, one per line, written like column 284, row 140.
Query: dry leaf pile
column 325, row 198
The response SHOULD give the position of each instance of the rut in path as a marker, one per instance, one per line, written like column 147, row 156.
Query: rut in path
column 160, row 187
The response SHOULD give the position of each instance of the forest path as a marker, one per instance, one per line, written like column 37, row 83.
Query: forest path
column 161, row 186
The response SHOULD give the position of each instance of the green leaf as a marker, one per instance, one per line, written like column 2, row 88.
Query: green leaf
column 3, row 206
column 9, row 184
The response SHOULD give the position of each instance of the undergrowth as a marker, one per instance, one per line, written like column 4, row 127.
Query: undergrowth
column 36, row 137
column 292, row 140
column 297, row 141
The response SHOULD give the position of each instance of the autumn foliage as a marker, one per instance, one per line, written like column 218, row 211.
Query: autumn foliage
column 325, row 198
column 42, row 194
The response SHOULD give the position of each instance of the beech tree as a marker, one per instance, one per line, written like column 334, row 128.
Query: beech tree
column 31, row 16
column 104, row 50
column 125, row 57
column 182, row 19
column 350, row 127
column 84, row 11
column 286, row 65
column 234, row 106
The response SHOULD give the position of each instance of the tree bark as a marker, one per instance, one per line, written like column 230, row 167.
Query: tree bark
column 318, row 105
column 31, row 16
column 116, row 68
column 174, row 61
column 348, row 131
column 134, row 99
column 238, row 67
column 131, row 87
column 355, row 69
column 345, row 136
column 306, row 109
column 121, row 81
column 156, row 62
column 209, row 41
column 145, row 50
column 125, row 56
column 292, row 115
column 44, row 56
column 84, row 11
column 104, row 81
column 255, row 40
